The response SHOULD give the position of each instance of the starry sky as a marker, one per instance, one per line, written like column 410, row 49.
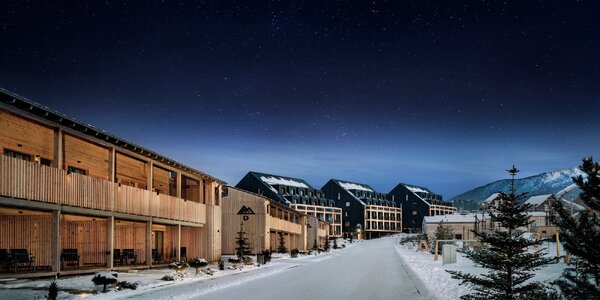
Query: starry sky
column 442, row 94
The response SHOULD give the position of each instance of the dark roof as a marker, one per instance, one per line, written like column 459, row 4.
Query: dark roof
column 54, row 116
column 259, row 174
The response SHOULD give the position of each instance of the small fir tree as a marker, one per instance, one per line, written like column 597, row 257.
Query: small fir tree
column 53, row 290
column 443, row 232
column 580, row 235
column 281, row 248
column 242, row 246
column 326, row 245
column 510, row 265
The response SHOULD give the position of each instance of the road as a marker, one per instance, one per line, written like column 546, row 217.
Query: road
column 369, row 270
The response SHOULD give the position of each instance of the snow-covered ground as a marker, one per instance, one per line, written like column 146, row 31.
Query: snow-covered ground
column 440, row 283
column 150, row 281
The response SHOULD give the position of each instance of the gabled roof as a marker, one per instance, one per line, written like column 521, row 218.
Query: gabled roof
column 537, row 200
column 271, row 180
column 353, row 186
column 23, row 104
column 492, row 197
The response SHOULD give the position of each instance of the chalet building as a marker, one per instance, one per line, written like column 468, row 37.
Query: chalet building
column 366, row 213
column 418, row 202
column 263, row 220
column 297, row 194
column 318, row 232
column 494, row 200
column 76, row 199
column 461, row 225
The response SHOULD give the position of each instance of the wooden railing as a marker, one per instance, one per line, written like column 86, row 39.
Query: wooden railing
column 26, row 180
column 283, row 225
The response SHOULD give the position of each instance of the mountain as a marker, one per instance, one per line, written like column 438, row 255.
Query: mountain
column 545, row 183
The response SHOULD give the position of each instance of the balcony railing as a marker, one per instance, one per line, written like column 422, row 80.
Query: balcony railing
column 26, row 180
column 283, row 225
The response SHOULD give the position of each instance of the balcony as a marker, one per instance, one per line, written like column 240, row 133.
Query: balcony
column 31, row 181
column 278, row 224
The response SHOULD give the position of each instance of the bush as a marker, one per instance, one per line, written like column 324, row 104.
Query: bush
column 234, row 260
column 178, row 266
column 168, row 278
column 248, row 260
column 122, row 285
column 53, row 290
column 267, row 255
column 221, row 265
column 294, row 253
column 198, row 263
column 105, row 278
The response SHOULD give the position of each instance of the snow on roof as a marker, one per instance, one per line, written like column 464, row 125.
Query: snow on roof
column 454, row 218
column 570, row 204
column 354, row 186
column 492, row 197
column 272, row 180
column 537, row 200
column 537, row 213
column 415, row 189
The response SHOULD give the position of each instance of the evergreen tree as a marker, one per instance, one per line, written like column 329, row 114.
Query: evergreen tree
column 443, row 232
column 242, row 246
column 580, row 235
column 326, row 245
column 505, row 254
column 281, row 248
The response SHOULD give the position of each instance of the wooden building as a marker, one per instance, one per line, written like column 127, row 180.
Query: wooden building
column 318, row 232
column 297, row 194
column 366, row 213
column 80, row 199
column 418, row 202
column 263, row 221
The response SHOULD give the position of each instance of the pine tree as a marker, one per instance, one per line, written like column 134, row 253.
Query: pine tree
column 580, row 235
column 281, row 248
column 505, row 254
column 242, row 246
column 443, row 232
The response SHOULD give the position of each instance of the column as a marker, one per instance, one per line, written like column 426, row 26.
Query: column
column 111, row 242
column 55, row 244
column 58, row 149
column 149, row 175
column 178, row 243
column 149, row 243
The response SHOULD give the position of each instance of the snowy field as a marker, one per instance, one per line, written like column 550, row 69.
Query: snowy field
column 442, row 286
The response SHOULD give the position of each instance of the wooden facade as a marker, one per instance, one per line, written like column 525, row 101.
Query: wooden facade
column 263, row 220
column 71, row 186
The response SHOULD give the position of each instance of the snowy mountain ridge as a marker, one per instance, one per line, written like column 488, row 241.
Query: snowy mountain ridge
column 545, row 183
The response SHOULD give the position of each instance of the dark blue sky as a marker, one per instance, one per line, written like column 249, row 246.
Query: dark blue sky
column 445, row 95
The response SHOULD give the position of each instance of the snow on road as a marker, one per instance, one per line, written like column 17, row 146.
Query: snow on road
column 368, row 270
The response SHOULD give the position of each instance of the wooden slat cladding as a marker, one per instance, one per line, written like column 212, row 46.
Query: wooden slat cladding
column 31, row 181
column 255, row 226
column 131, row 235
column 191, row 239
column 31, row 232
column 283, row 225
column 89, row 236
column 131, row 171
column 25, row 136
column 87, row 156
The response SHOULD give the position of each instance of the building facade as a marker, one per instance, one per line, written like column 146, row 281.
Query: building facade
column 80, row 199
column 418, row 202
column 263, row 221
column 297, row 194
column 365, row 212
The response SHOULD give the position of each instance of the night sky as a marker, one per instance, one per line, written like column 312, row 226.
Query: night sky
column 444, row 95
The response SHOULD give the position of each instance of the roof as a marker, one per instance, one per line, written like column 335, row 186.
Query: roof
column 455, row 218
column 272, row 180
column 537, row 200
column 23, row 104
column 492, row 197
column 269, row 200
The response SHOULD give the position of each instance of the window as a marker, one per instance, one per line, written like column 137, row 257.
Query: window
column 75, row 170
column 458, row 236
column 347, row 224
column 217, row 196
column 345, row 214
column 347, row 204
column 18, row 155
column 45, row 162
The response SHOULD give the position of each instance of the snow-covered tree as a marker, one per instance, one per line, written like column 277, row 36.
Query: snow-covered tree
column 580, row 235
column 105, row 278
column 281, row 248
column 443, row 232
column 505, row 255
column 198, row 263
column 242, row 246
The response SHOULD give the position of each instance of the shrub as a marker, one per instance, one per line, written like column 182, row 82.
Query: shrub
column 234, row 260
column 53, row 290
column 122, row 285
column 267, row 255
column 178, row 266
column 168, row 278
column 221, row 265
column 248, row 260
column 294, row 253
column 198, row 263
column 105, row 278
